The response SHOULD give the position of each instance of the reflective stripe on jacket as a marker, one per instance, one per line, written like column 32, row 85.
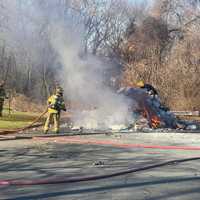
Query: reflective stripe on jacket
column 55, row 104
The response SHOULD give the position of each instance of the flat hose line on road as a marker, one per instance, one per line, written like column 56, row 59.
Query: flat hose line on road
column 70, row 139
column 29, row 136
column 79, row 140
column 62, row 180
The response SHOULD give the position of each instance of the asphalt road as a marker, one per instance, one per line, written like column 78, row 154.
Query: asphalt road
column 34, row 159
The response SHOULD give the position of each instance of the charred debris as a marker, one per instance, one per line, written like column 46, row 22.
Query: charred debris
column 151, row 115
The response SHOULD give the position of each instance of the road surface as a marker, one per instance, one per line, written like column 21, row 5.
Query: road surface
column 60, row 157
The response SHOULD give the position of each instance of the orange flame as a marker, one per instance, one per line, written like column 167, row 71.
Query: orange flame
column 155, row 122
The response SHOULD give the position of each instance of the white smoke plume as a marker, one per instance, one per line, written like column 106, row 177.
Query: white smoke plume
column 32, row 24
column 83, row 79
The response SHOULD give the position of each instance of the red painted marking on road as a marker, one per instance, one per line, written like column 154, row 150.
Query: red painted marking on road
column 4, row 183
column 79, row 140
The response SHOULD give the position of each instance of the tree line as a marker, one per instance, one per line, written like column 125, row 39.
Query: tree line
column 156, row 42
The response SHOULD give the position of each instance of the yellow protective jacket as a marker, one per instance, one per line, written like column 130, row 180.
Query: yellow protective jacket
column 55, row 104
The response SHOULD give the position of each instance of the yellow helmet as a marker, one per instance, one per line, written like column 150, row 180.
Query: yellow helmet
column 140, row 84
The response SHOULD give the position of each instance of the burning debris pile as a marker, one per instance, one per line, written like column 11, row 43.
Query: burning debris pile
column 149, row 112
column 150, row 108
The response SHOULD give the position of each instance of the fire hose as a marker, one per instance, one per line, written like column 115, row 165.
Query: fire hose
column 26, row 127
column 90, row 178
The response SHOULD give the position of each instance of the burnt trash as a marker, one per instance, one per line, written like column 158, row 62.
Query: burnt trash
column 150, row 113
column 192, row 127
column 188, row 125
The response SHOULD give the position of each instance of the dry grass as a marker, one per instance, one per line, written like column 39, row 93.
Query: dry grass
column 22, row 103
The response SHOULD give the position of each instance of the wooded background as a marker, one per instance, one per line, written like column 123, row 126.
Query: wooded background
column 158, row 42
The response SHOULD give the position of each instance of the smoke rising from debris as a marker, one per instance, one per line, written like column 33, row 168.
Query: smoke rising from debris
column 83, row 79
column 34, row 25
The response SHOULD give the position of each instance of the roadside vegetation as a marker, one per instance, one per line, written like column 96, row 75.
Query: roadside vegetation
column 15, row 119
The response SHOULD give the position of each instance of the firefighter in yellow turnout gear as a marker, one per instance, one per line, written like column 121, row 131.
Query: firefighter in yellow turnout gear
column 2, row 96
column 55, row 106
